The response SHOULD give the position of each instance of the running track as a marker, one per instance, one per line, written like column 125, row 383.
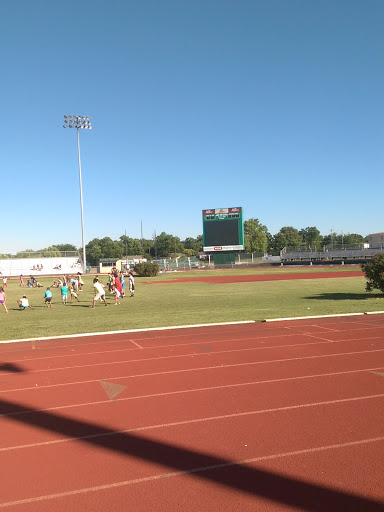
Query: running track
column 253, row 417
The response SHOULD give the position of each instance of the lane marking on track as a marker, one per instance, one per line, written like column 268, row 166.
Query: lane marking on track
column 152, row 338
column 178, row 336
column 228, row 340
column 124, row 331
column 317, row 316
column 324, row 341
column 202, row 368
column 192, row 471
column 136, row 344
column 196, row 390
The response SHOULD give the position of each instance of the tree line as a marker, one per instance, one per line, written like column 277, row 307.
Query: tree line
column 257, row 239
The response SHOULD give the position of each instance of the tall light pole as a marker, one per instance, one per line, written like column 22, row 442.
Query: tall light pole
column 80, row 123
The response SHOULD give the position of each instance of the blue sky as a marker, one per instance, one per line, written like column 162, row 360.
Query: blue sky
column 275, row 106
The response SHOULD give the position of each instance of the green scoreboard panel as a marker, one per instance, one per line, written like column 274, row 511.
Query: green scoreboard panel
column 223, row 230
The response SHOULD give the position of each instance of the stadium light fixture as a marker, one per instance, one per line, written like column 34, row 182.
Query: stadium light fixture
column 80, row 123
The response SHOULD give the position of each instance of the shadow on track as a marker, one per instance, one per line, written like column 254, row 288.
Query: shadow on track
column 289, row 491
column 10, row 368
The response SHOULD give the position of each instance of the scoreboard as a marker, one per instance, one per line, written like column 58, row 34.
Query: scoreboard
column 223, row 230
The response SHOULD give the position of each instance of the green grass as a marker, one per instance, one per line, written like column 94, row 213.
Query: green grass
column 192, row 302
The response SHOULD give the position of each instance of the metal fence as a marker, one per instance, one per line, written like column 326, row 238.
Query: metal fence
column 330, row 247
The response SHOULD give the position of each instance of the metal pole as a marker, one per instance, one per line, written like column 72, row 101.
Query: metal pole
column 81, row 203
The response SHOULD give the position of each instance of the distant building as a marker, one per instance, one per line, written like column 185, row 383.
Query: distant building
column 105, row 264
column 376, row 240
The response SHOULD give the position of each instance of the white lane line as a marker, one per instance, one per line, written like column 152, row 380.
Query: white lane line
column 340, row 315
column 188, row 422
column 195, row 390
column 324, row 341
column 135, row 343
column 186, row 370
column 178, row 336
column 165, row 336
column 290, row 335
column 193, row 471
column 89, row 334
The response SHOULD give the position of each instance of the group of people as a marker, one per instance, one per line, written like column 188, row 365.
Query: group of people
column 37, row 267
column 71, row 286
column 76, row 282
column 31, row 283
column 116, row 286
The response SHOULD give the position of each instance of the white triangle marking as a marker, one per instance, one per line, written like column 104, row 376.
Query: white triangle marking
column 111, row 389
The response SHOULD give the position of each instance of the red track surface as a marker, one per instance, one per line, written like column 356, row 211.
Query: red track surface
column 255, row 417
column 261, row 277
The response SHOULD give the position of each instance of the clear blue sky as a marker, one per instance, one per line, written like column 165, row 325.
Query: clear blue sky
column 274, row 105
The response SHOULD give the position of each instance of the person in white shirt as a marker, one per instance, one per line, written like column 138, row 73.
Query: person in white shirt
column 99, row 292
column 131, row 284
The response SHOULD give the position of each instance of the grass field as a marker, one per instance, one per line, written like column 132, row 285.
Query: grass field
column 185, row 303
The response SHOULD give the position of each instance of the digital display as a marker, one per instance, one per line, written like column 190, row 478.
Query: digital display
column 223, row 232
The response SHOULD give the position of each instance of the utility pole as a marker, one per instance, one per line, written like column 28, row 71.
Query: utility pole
column 82, row 123
column 155, row 245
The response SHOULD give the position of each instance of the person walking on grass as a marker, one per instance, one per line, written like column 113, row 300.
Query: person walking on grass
column 3, row 299
column 117, row 293
column 131, row 284
column 24, row 303
column 48, row 297
column 99, row 292
column 64, row 294
column 21, row 281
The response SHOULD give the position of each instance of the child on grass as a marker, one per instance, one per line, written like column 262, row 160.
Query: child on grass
column 3, row 299
column 24, row 303
column 74, row 294
column 48, row 297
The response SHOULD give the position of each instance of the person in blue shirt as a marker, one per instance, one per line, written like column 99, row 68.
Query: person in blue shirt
column 64, row 294
column 48, row 297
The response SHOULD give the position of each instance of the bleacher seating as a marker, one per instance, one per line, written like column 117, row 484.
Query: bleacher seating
column 51, row 266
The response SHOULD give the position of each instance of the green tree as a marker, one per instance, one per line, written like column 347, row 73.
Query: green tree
column 374, row 273
column 255, row 236
column 287, row 237
column 194, row 244
column 167, row 244
column 94, row 251
column 132, row 246
column 311, row 237
column 66, row 247
column 353, row 238
column 111, row 248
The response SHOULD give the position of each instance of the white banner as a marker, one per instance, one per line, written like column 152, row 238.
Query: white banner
column 218, row 248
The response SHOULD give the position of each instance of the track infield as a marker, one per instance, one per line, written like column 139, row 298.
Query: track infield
column 267, row 417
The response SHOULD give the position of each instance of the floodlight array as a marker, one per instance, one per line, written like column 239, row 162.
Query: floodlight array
column 82, row 122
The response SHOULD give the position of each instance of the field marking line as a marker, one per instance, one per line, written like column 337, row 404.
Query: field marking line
column 130, row 349
column 88, row 334
column 195, row 390
column 186, row 370
column 319, row 316
column 108, row 433
column 324, row 341
column 132, row 341
column 192, row 471
column 189, row 335
column 289, row 333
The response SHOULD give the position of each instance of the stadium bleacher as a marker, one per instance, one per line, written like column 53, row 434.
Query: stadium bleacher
column 47, row 266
